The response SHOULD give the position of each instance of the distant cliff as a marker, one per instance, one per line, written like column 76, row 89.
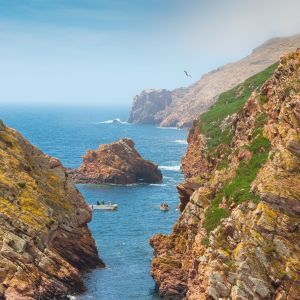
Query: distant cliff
column 238, row 235
column 181, row 106
column 148, row 104
column 44, row 238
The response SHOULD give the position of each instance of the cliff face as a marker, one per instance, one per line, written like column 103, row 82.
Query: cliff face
column 116, row 163
column 44, row 238
column 238, row 235
column 147, row 106
column 179, row 107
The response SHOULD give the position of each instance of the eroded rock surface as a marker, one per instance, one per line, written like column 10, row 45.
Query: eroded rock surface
column 147, row 106
column 116, row 163
column 238, row 236
column 44, row 238
column 181, row 106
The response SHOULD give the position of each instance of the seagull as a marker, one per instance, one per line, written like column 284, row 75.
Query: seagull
column 187, row 74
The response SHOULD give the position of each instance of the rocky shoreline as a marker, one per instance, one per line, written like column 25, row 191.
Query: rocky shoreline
column 238, row 235
column 44, row 239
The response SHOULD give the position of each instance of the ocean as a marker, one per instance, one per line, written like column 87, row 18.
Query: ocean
column 122, row 236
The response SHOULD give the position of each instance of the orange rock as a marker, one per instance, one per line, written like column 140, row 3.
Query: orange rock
column 117, row 163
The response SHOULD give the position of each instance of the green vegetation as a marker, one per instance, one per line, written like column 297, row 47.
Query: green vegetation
column 238, row 190
column 230, row 102
column 213, row 217
column 262, row 99
column 218, row 144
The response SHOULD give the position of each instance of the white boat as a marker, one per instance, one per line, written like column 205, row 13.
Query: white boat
column 108, row 206
column 164, row 207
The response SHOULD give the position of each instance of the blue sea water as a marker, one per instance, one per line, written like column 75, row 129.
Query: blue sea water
column 122, row 237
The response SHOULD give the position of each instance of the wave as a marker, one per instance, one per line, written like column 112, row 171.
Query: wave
column 182, row 142
column 170, row 168
column 174, row 128
column 158, row 184
column 117, row 121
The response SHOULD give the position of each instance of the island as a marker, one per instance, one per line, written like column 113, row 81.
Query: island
column 116, row 163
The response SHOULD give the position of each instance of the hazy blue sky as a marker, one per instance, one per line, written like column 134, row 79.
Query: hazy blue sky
column 106, row 51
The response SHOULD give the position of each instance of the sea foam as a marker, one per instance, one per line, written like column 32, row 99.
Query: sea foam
column 116, row 121
column 182, row 142
column 170, row 168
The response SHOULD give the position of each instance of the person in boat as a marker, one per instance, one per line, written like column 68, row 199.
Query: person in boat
column 164, row 206
column 98, row 203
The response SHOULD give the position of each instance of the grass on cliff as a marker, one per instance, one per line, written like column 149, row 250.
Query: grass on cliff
column 228, row 103
column 215, row 214
column 238, row 190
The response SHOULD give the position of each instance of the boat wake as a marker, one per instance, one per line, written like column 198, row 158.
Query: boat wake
column 182, row 142
column 170, row 168
column 113, row 121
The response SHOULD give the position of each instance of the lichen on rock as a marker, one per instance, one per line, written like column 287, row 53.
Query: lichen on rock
column 238, row 235
column 44, row 238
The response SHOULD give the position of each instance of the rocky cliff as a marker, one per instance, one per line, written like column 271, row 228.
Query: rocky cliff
column 148, row 104
column 238, row 235
column 44, row 238
column 116, row 163
column 179, row 107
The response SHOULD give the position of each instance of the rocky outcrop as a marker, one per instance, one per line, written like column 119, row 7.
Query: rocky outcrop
column 147, row 106
column 238, row 235
column 44, row 238
column 116, row 163
column 195, row 161
column 181, row 106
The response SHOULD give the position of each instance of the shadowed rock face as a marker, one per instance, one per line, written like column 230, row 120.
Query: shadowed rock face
column 148, row 104
column 238, row 235
column 116, row 163
column 181, row 106
column 44, row 238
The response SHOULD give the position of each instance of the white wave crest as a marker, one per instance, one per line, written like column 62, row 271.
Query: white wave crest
column 157, row 184
column 182, row 142
column 170, row 168
column 167, row 128
column 117, row 121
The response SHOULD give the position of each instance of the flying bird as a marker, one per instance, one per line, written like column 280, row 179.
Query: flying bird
column 187, row 74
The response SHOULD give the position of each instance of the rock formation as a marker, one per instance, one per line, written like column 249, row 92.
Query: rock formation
column 44, row 238
column 148, row 104
column 116, row 163
column 238, row 235
column 181, row 106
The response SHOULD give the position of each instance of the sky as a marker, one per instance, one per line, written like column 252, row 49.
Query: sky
column 104, row 52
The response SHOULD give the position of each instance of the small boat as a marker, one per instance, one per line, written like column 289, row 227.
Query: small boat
column 103, row 206
column 164, row 207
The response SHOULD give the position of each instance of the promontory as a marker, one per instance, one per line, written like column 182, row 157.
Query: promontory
column 44, row 238
column 238, row 235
